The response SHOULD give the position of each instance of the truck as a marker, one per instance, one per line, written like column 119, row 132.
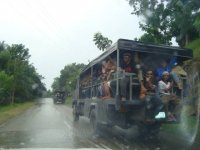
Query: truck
column 148, row 113
column 59, row 97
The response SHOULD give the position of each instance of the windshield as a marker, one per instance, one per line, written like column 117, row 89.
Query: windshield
column 99, row 74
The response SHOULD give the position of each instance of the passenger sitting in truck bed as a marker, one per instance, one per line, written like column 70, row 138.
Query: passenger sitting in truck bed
column 127, row 65
column 180, row 73
column 97, row 80
column 139, row 65
column 164, row 88
column 149, row 81
column 150, row 91
column 108, row 67
column 85, row 83
column 168, row 67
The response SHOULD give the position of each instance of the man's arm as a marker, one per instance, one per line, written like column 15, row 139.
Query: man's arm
column 163, row 87
column 173, row 60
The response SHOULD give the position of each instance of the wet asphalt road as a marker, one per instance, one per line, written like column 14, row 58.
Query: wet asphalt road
column 47, row 125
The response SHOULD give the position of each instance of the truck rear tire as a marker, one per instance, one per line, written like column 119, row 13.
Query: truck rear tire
column 93, row 122
column 75, row 114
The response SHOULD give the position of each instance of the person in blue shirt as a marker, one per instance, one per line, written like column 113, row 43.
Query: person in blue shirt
column 165, row 67
column 168, row 67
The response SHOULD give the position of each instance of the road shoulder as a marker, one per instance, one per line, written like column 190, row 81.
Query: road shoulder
column 8, row 112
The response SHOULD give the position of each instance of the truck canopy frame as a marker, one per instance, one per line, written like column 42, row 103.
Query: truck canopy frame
column 135, row 46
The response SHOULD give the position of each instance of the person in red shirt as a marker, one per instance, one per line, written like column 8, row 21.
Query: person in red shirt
column 127, row 65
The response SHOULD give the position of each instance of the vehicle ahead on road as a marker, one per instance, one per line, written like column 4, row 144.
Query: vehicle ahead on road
column 59, row 97
column 140, row 107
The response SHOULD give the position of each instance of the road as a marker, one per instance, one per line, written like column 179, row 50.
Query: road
column 47, row 125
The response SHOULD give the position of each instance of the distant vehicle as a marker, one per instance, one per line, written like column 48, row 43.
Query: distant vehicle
column 59, row 97
column 147, row 113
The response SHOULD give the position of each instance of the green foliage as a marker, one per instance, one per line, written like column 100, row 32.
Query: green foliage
column 150, row 38
column 101, row 41
column 6, row 84
column 4, row 59
column 2, row 46
column 193, row 69
column 165, row 19
column 67, row 79
column 55, row 85
column 69, row 100
column 10, row 111
column 197, row 23
column 47, row 93
column 195, row 46
column 19, row 80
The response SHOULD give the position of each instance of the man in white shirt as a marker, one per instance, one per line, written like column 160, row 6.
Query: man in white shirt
column 164, row 88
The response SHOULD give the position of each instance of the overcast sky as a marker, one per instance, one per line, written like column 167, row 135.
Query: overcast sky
column 60, row 32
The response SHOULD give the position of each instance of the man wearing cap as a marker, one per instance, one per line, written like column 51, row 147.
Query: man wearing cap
column 168, row 67
column 164, row 87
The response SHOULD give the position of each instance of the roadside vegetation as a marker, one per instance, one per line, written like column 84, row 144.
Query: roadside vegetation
column 19, row 80
column 67, row 80
column 163, row 20
column 10, row 111
column 195, row 46
column 68, row 101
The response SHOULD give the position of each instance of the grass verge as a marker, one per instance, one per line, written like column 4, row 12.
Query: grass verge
column 189, row 126
column 195, row 46
column 68, row 101
column 10, row 111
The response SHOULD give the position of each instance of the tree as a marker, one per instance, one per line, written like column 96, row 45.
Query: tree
column 67, row 79
column 2, row 46
column 55, row 85
column 183, row 15
column 101, row 41
column 6, row 84
column 4, row 59
column 197, row 23
column 17, row 65
column 164, row 19
column 14, row 66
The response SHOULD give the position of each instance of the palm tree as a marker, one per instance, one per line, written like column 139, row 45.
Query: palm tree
column 101, row 41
